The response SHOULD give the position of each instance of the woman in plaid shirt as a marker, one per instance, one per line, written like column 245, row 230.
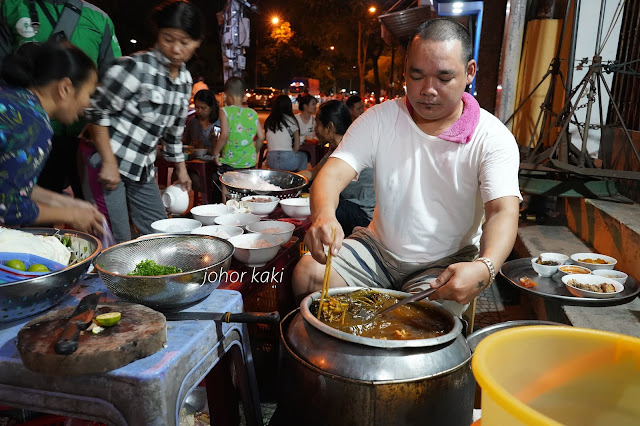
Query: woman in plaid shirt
column 144, row 98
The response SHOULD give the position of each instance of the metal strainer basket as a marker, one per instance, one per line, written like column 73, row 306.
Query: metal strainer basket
column 25, row 298
column 240, row 183
column 202, row 258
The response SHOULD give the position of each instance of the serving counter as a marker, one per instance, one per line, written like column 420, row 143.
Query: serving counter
column 149, row 391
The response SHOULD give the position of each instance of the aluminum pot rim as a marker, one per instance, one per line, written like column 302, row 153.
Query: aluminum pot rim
column 274, row 192
column 97, row 266
column 379, row 343
column 285, row 324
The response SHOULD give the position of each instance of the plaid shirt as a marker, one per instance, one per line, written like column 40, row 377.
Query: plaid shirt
column 140, row 103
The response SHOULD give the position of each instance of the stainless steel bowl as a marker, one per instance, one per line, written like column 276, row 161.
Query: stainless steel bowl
column 203, row 259
column 291, row 183
column 24, row 298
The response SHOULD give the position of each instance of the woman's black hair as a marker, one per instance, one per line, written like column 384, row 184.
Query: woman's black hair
column 305, row 100
column 208, row 98
column 279, row 111
column 180, row 14
column 335, row 112
column 38, row 64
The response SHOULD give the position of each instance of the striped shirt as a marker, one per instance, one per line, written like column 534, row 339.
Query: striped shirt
column 140, row 103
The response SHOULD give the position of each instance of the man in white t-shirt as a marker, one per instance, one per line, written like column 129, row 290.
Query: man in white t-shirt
column 441, row 164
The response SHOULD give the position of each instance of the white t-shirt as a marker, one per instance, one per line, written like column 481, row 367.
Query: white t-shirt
column 282, row 139
column 306, row 129
column 429, row 192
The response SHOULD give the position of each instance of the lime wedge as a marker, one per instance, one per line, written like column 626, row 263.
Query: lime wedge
column 109, row 319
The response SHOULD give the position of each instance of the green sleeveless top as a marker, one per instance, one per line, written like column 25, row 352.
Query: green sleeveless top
column 240, row 151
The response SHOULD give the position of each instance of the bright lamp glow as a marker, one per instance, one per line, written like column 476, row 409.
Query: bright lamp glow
column 457, row 11
column 457, row 5
column 275, row 20
column 133, row 41
column 372, row 9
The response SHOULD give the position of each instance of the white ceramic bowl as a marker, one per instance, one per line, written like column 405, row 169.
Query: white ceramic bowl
column 281, row 229
column 543, row 270
column 207, row 213
column 590, row 279
column 237, row 219
column 198, row 152
column 297, row 208
column 175, row 200
column 611, row 261
column 556, row 257
column 619, row 276
column 221, row 231
column 573, row 269
column 255, row 256
column 261, row 208
column 178, row 225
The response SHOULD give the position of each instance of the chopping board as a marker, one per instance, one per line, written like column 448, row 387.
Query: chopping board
column 140, row 333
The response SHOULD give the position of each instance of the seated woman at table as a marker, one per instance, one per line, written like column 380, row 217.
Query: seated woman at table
column 143, row 99
column 43, row 82
column 283, row 138
column 306, row 118
column 358, row 199
column 200, row 128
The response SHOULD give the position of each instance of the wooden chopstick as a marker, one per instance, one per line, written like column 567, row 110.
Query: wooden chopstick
column 327, row 272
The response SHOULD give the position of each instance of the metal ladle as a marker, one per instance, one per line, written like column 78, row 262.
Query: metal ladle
column 413, row 298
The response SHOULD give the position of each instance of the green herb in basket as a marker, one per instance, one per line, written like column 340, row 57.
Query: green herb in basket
column 148, row 268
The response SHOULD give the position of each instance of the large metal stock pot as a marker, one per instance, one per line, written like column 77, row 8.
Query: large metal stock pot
column 341, row 379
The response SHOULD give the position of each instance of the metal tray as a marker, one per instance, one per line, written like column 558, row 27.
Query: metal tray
column 554, row 288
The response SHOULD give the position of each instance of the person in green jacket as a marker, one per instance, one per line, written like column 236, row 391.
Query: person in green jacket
column 94, row 34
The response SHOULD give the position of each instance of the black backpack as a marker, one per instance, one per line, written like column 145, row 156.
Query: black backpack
column 62, row 29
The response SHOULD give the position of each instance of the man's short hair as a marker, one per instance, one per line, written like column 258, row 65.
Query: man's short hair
column 442, row 29
column 234, row 86
column 353, row 99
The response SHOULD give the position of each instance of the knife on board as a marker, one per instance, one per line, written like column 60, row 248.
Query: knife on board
column 80, row 319
column 243, row 317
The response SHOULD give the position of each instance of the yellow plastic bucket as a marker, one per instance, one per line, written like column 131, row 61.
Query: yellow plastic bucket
column 549, row 375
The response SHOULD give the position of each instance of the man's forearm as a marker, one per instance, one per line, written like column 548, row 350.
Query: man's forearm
column 499, row 232
column 324, row 198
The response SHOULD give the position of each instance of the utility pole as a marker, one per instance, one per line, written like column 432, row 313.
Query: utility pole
column 235, row 37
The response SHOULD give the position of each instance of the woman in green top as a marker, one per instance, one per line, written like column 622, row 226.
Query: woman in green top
column 240, row 130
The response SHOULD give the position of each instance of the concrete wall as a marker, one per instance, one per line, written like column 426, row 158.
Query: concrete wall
column 610, row 228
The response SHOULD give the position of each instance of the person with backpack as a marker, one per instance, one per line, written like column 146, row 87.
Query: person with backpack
column 83, row 25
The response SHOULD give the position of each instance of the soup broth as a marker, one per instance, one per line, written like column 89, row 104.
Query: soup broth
column 356, row 313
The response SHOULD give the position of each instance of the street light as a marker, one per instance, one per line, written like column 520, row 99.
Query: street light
column 275, row 20
column 362, row 48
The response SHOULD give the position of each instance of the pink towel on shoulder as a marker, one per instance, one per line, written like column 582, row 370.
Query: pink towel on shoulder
column 462, row 130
